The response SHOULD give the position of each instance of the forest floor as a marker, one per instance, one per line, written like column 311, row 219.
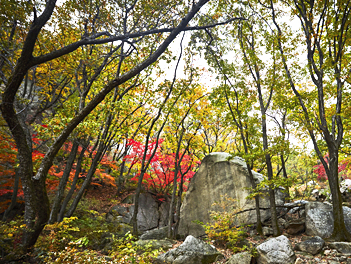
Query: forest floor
column 108, row 199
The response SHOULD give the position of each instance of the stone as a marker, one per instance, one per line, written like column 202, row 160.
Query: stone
column 299, row 261
column 119, row 214
column 157, row 233
column 320, row 221
column 276, row 250
column 150, row 214
column 192, row 251
column 295, row 227
column 295, row 206
column 342, row 247
column 267, row 231
column 155, row 243
column 313, row 245
column 240, row 258
column 218, row 174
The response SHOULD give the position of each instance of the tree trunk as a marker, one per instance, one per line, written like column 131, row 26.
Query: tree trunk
column 340, row 233
column 257, row 201
column 87, row 180
column 73, row 186
column 63, row 182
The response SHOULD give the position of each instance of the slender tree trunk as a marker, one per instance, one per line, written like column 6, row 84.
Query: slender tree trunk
column 74, row 183
column 63, row 182
column 257, row 201
column 87, row 180
column 179, row 204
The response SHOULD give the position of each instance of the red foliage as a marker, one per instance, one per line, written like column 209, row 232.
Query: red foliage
column 322, row 175
column 8, row 154
column 160, row 175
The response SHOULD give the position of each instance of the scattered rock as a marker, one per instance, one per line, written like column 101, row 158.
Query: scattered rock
column 276, row 250
column 313, row 245
column 342, row 247
column 267, row 231
column 192, row 251
column 157, row 233
column 150, row 215
column 240, row 258
column 299, row 261
column 155, row 244
column 297, row 226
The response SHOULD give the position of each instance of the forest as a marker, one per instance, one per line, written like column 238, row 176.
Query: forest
column 101, row 99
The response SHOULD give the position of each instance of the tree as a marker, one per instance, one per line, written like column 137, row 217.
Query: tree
column 325, row 27
column 31, row 55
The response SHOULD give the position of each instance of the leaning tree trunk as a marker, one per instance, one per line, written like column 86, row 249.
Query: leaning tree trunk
column 73, row 185
column 63, row 182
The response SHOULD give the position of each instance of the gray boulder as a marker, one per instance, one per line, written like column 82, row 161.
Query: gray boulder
column 267, row 231
column 150, row 214
column 313, row 245
column 192, row 251
column 158, row 233
column 155, row 244
column 240, row 258
column 320, row 220
column 220, row 174
column 276, row 250
column 341, row 247
column 296, row 226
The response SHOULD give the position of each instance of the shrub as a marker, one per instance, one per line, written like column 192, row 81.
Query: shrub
column 222, row 229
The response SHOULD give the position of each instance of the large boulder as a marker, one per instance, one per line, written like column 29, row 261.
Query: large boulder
column 341, row 247
column 151, row 214
column 192, row 251
column 320, row 220
column 312, row 245
column 276, row 250
column 220, row 174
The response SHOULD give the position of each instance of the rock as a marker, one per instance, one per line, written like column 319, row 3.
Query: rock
column 240, row 258
column 295, row 227
column 320, row 221
column 299, row 261
column 267, row 231
column 157, row 233
column 155, row 244
column 313, row 245
column 192, row 251
column 119, row 214
column 295, row 206
column 276, row 251
column 342, row 247
column 220, row 174
column 150, row 215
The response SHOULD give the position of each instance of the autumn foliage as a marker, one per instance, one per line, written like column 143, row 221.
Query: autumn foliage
column 161, row 173
column 343, row 169
column 7, row 169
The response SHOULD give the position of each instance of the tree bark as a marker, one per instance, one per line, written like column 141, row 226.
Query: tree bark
column 63, row 182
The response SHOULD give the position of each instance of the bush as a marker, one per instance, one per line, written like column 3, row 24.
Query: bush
column 222, row 229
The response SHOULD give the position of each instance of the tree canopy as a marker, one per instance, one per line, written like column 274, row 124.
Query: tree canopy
column 86, row 97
